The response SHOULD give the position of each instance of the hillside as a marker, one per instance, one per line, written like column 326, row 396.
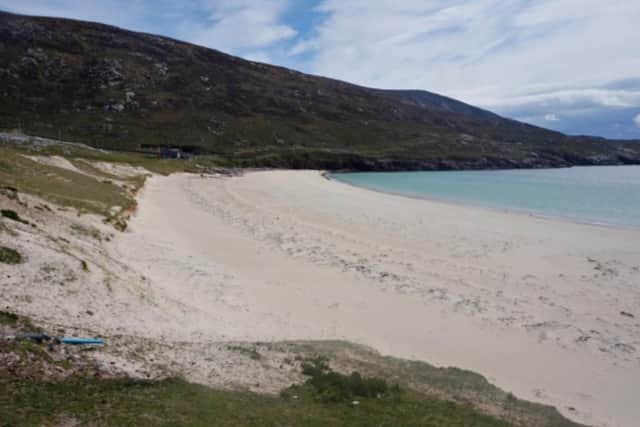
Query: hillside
column 123, row 90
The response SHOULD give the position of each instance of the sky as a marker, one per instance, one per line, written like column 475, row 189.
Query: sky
column 568, row 65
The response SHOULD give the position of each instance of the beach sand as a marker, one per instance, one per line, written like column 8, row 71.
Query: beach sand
column 546, row 309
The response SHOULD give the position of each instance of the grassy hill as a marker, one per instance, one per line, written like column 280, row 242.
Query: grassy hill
column 123, row 90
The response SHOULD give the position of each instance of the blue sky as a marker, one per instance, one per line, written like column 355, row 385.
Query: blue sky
column 570, row 65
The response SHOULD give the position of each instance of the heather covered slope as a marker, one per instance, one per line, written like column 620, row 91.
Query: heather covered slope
column 119, row 89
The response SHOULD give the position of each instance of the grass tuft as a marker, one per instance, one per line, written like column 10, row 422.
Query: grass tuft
column 10, row 256
column 8, row 318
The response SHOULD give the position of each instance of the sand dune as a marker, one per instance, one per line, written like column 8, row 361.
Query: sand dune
column 542, row 307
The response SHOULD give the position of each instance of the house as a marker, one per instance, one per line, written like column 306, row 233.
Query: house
column 172, row 153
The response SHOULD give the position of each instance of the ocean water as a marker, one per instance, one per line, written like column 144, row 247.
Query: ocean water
column 602, row 195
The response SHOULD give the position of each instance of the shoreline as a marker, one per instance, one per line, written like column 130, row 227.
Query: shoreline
column 283, row 255
column 330, row 175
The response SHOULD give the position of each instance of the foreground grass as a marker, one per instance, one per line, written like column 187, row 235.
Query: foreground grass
column 124, row 402
column 40, row 386
column 34, row 393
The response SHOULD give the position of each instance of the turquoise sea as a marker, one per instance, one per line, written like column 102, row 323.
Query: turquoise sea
column 603, row 195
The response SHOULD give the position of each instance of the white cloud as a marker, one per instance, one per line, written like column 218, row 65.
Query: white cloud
column 564, row 98
column 637, row 120
column 301, row 47
column 551, row 117
column 494, row 53
column 240, row 25
column 118, row 12
column 257, row 56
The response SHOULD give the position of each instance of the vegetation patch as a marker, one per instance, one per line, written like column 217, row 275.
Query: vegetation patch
column 10, row 256
column 118, row 402
column 60, row 186
column 332, row 387
column 8, row 318
column 89, row 231
column 27, row 347
column 17, row 322
column 12, row 215
column 326, row 398
column 35, row 392
column 451, row 384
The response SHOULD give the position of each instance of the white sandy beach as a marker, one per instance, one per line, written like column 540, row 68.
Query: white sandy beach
column 533, row 304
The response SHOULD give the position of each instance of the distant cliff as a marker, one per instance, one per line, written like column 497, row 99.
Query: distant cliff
column 124, row 90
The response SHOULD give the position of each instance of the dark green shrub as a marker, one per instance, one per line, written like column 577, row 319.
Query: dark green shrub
column 13, row 215
column 10, row 256
column 333, row 387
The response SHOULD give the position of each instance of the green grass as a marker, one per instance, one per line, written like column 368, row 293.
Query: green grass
column 10, row 256
column 454, row 384
column 173, row 402
column 83, row 399
column 60, row 186
column 325, row 398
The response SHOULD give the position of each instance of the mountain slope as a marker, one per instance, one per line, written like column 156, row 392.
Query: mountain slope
column 125, row 90
column 448, row 105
